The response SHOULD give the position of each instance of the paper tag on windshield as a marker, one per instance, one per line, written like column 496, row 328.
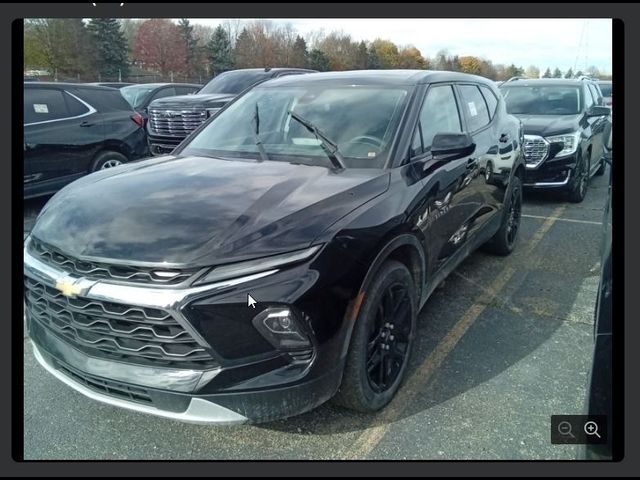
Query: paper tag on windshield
column 472, row 109
column 371, row 154
column 40, row 108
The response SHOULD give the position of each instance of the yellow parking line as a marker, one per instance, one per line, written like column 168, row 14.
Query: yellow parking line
column 370, row 437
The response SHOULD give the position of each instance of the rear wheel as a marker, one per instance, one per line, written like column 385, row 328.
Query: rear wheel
column 108, row 159
column 381, row 341
column 504, row 241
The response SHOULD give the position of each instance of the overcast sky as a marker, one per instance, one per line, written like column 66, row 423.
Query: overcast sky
column 561, row 43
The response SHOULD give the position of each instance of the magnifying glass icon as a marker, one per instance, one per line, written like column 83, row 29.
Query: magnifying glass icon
column 591, row 428
column 564, row 428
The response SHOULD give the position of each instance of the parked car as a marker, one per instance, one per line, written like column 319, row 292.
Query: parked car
column 111, row 84
column 74, row 129
column 606, row 87
column 172, row 119
column 600, row 391
column 141, row 95
column 281, row 254
column 563, row 123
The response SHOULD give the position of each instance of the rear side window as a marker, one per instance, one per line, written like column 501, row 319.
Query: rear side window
column 44, row 104
column 104, row 100
column 597, row 98
column 475, row 107
column 76, row 107
column 588, row 98
column 490, row 98
column 164, row 92
column 439, row 114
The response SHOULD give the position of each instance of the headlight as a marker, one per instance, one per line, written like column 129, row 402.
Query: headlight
column 212, row 111
column 570, row 142
column 249, row 267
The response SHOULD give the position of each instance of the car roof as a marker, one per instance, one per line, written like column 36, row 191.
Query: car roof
column 377, row 77
column 166, row 84
column 67, row 85
column 525, row 82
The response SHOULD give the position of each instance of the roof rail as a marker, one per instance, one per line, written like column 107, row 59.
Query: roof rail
column 513, row 79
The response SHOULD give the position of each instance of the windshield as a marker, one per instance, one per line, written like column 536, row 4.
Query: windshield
column 232, row 82
column 361, row 121
column 136, row 94
column 606, row 89
column 542, row 100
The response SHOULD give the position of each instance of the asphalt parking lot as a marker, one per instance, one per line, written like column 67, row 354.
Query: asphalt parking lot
column 502, row 345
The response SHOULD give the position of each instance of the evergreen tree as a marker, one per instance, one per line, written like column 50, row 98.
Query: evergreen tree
column 569, row 73
column 191, row 45
column 373, row 61
column 111, row 49
column 362, row 56
column 319, row 61
column 547, row 73
column 299, row 54
column 220, row 57
column 557, row 73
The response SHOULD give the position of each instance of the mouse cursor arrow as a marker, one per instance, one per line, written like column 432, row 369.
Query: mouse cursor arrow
column 251, row 302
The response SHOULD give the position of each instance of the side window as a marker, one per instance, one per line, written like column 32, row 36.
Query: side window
column 74, row 106
column 492, row 101
column 185, row 90
column 596, row 94
column 588, row 98
column 475, row 107
column 439, row 114
column 165, row 92
column 44, row 104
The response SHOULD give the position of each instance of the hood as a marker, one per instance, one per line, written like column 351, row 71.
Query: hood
column 547, row 125
column 190, row 101
column 200, row 211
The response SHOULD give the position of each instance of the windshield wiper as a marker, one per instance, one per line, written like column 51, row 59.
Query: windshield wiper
column 256, row 134
column 329, row 146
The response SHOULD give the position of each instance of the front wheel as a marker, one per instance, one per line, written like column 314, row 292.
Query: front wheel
column 381, row 341
column 108, row 159
column 504, row 241
column 579, row 188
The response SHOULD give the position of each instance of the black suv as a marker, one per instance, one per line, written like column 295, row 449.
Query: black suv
column 172, row 119
column 281, row 254
column 74, row 129
column 563, row 123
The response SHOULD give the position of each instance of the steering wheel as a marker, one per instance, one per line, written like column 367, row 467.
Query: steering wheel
column 367, row 140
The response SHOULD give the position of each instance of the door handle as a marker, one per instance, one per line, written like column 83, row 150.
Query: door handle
column 472, row 163
column 87, row 124
column 504, row 138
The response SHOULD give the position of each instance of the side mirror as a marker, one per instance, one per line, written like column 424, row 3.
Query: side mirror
column 598, row 111
column 452, row 145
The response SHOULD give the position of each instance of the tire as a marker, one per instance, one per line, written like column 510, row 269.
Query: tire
column 578, row 190
column 601, row 168
column 388, row 312
column 108, row 159
column 505, row 239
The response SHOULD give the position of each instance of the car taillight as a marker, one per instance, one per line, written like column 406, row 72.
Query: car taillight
column 139, row 119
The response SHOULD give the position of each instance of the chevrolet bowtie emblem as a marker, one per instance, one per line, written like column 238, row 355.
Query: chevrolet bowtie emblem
column 68, row 288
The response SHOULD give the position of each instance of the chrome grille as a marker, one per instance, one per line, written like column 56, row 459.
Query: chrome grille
column 175, row 123
column 536, row 150
column 113, row 330
column 93, row 270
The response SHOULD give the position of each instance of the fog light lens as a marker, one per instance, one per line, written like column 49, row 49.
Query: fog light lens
column 281, row 328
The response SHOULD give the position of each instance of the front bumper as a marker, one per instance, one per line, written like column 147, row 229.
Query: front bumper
column 257, row 389
column 551, row 173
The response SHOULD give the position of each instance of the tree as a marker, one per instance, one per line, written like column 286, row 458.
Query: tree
column 411, row 58
column 532, row 72
column 159, row 46
column 579, row 74
column 469, row 64
column 513, row 71
column 547, row 73
column 258, row 45
column 362, row 56
column 387, row 52
column 444, row 61
column 299, row 53
column 557, row 73
column 569, row 73
column 319, row 61
column 219, row 49
column 593, row 71
column 111, row 48
column 341, row 51
column 373, row 61
column 191, row 45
